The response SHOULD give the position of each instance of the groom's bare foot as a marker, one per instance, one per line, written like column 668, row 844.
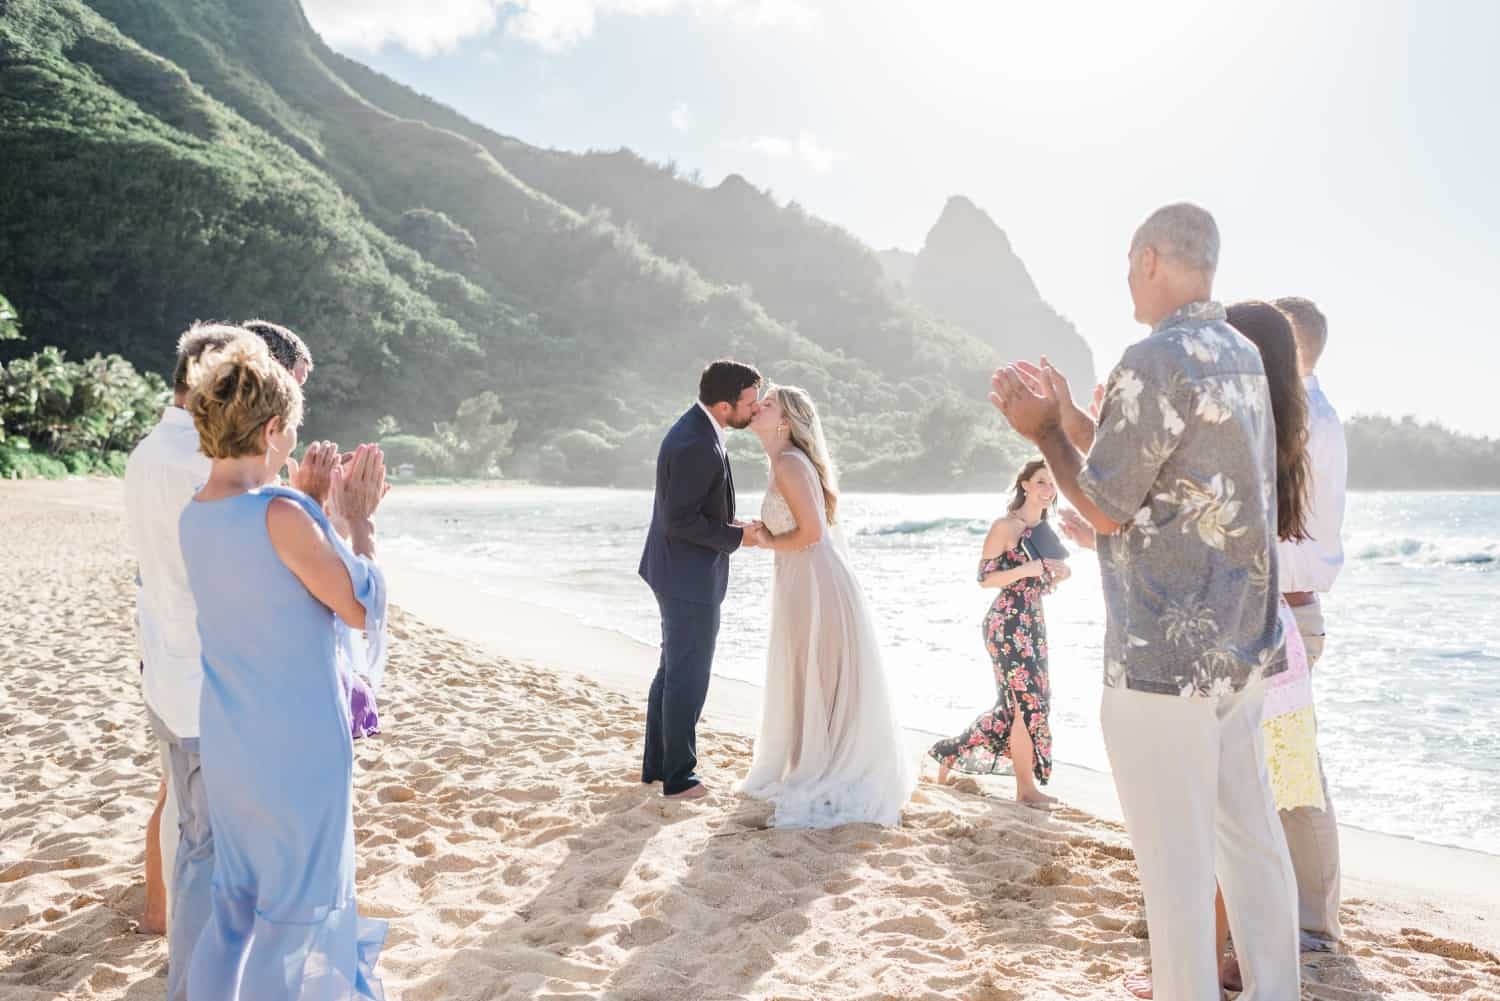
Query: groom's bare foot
column 691, row 792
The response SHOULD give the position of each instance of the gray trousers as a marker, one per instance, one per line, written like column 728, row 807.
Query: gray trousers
column 192, row 873
column 1312, row 836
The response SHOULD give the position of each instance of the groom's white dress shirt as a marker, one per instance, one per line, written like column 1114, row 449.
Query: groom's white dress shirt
column 719, row 429
column 1313, row 564
column 161, row 476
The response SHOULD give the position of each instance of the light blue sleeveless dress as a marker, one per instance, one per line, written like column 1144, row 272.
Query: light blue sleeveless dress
column 277, row 763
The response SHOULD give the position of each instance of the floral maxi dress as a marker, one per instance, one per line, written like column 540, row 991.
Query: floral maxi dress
column 1015, row 634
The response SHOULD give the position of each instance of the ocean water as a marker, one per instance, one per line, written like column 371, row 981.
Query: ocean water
column 1408, row 691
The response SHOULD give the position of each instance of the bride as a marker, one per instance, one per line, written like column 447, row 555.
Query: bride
column 830, row 750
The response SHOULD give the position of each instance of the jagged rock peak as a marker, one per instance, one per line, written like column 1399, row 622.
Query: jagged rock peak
column 966, row 228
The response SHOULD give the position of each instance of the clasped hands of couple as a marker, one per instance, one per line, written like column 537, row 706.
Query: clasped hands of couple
column 757, row 535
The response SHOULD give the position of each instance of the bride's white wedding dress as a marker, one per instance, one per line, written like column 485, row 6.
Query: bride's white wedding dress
column 830, row 750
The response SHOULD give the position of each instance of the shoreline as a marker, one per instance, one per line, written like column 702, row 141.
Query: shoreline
column 436, row 483
column 1436, row 874
column 554, row 637
column 561, row 633
column 502, row 831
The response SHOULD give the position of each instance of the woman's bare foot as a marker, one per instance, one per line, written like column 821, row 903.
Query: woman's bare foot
column 152, row 924
column 1036, row 799
column 943, row 778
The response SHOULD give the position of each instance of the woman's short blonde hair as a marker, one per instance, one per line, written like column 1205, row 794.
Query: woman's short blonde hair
column 234, row 391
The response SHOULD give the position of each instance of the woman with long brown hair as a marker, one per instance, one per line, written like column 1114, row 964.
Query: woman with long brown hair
column 1015, row 634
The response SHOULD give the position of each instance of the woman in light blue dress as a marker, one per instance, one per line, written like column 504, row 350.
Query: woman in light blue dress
column 277, row 592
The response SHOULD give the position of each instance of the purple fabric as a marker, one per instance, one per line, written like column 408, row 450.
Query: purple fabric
column 364, row 720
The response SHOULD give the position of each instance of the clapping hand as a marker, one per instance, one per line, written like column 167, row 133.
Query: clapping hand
column 1058, row 569
column 1076, row 424
column 1027, row 401
column 314, row 474
column 359, row 485
column 335, row 516
column 1076, row 528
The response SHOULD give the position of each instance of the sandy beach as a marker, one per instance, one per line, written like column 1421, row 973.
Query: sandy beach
column 502, row 832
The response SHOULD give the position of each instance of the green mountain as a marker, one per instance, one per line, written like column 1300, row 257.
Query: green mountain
column 168, row 160
column 967, row 274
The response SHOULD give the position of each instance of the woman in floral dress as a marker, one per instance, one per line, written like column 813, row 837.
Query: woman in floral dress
column 1015, row 634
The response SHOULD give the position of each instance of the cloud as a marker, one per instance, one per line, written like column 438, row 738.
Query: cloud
column 819, row 159
column 555, row 25
column 682, row 117
column 797, row 14
column 428, row 27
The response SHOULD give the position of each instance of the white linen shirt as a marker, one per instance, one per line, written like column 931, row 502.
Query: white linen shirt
column 161, row 476
column 1312, row 565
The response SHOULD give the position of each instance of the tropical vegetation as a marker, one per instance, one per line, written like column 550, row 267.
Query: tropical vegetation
column 480, row 306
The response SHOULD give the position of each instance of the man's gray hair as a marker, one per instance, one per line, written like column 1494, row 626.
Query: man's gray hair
column 1184, row 232
column 201, row 338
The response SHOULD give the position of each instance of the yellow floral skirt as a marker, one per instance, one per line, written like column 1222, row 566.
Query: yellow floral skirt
column 1292, row 758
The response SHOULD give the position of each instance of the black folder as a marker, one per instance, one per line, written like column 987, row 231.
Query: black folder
column 1043, row 544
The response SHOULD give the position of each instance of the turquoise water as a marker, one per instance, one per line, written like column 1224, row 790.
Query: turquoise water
column 1408, row 690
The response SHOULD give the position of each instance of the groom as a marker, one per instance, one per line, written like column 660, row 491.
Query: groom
column 686, row 562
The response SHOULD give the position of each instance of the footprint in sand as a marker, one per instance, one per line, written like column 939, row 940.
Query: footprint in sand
column 646, row 931
column 919, row 925
column 396, row 794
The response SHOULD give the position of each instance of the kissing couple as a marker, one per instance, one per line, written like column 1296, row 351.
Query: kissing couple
column 830, row 750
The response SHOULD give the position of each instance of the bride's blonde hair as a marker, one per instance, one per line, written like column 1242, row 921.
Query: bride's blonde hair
column 806, row 432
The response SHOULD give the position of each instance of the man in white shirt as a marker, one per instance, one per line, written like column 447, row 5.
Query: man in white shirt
column 1308, row 569
column 163, row 473
column 161, row 476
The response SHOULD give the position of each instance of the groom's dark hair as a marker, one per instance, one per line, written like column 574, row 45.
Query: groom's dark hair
column 724, row 380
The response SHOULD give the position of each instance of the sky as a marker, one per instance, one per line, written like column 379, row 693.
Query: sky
column 1348, row 150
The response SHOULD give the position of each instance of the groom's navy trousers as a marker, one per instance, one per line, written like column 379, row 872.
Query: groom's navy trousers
column 689, row 630
column 686, row 562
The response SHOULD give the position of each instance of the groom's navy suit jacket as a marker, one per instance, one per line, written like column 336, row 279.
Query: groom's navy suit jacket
column 688, row 546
